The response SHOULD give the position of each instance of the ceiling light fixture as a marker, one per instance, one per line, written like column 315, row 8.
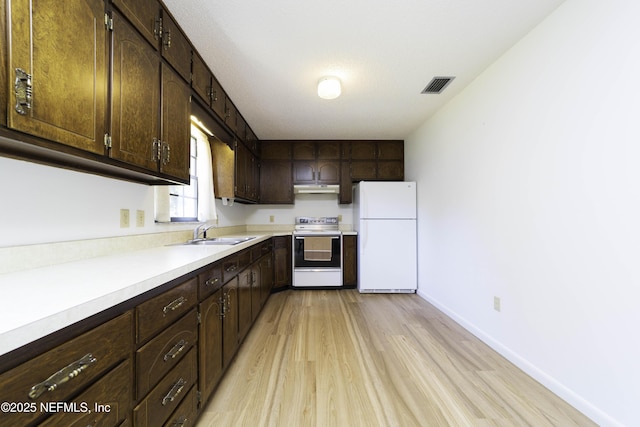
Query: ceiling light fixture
column 329, row 88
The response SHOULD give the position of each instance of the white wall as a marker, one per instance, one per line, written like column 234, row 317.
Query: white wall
column 42, row 204
column 528, row 188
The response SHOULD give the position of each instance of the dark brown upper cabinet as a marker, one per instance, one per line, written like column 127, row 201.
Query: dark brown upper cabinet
column 59, row 68
column 316, row 162
column 377, row 160
column 150, row 124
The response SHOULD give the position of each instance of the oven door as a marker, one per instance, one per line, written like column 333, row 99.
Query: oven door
column 317, row 251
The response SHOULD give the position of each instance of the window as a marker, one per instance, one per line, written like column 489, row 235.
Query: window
column 183, row 199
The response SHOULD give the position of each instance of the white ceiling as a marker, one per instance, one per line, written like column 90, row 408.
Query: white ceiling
column 269, row 56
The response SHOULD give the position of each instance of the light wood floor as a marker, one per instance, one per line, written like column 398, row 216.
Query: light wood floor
column 340, row 358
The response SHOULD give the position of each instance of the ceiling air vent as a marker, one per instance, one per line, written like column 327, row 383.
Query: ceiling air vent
column 437, row 85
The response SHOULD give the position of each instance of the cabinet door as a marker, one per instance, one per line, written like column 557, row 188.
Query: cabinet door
column 201, row 79
column 328, row 172
column 210, row 344
column 363, row 170
column 244, row 302
column 135, row 111
column 176, row 48
column 218, row 98
column 346, row 188
column 349, row 260
column 281, row 262
column 390, row 150
column 144, row 15
column 230, row 321
column 304, row 150
column 242, row 171
column 392, row 170
column 230, row 114
column 329, row 150
column 266, row 278
column 62, row 46
column 304, row 172
column 363, row 150
column 176, row 125
column 276, row 185
column 275, row 150
column 256, row 298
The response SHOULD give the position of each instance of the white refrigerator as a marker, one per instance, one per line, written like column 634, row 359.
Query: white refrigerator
column 385, row 218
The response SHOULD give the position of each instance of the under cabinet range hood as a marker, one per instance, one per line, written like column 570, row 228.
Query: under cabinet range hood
column 316, row 189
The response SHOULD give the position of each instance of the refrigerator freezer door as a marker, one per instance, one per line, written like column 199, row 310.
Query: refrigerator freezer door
column 394, row 200
column 387, row 260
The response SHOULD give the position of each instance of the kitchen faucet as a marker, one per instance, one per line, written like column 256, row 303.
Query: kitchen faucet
column 202, row 228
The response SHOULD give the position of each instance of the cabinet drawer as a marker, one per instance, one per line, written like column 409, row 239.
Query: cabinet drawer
column 161, row 311
column 156, row 408
column 210, row 281
column 158, row 356
column 260, row 249
column 107, row 402
column 229, row 268
column 186, row 413
column 87, row 356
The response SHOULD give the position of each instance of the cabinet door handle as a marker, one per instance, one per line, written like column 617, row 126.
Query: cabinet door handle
column 166, row 39
column 174, row 392
column 24, row 91
column 155, row 150
column 62, row 376
column 166, row 152
column 175, row 350
column 221, row 307
column 157, row 28
column 174, row 305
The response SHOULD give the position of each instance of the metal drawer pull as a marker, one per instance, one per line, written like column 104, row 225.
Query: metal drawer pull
column 175, row 350
column 231, row 268
column 212, row 281
column 173, row 305
column 62, row 376
column 174, row 392
column 180, row 421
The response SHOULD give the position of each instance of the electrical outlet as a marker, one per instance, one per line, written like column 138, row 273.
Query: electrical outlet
column 272, row 218
column 139, row 218
column 496, row 303
column 124, row 218
column 339, row 218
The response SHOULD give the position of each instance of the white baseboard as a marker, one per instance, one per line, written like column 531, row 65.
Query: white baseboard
column 574, row 399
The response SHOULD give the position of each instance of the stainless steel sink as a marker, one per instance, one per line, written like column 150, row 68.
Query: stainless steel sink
column 219, row 241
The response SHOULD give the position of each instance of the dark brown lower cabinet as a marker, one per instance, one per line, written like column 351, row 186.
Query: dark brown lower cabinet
column 244, row 302
column 105, row 403
column 164, row 398
column 349, row 260
column 281, row 262
column 230, row 329
column 91, row 355
column 156, row 362
column 210, row 369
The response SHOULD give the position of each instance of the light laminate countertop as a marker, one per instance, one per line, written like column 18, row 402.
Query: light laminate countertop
column 43, row 300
